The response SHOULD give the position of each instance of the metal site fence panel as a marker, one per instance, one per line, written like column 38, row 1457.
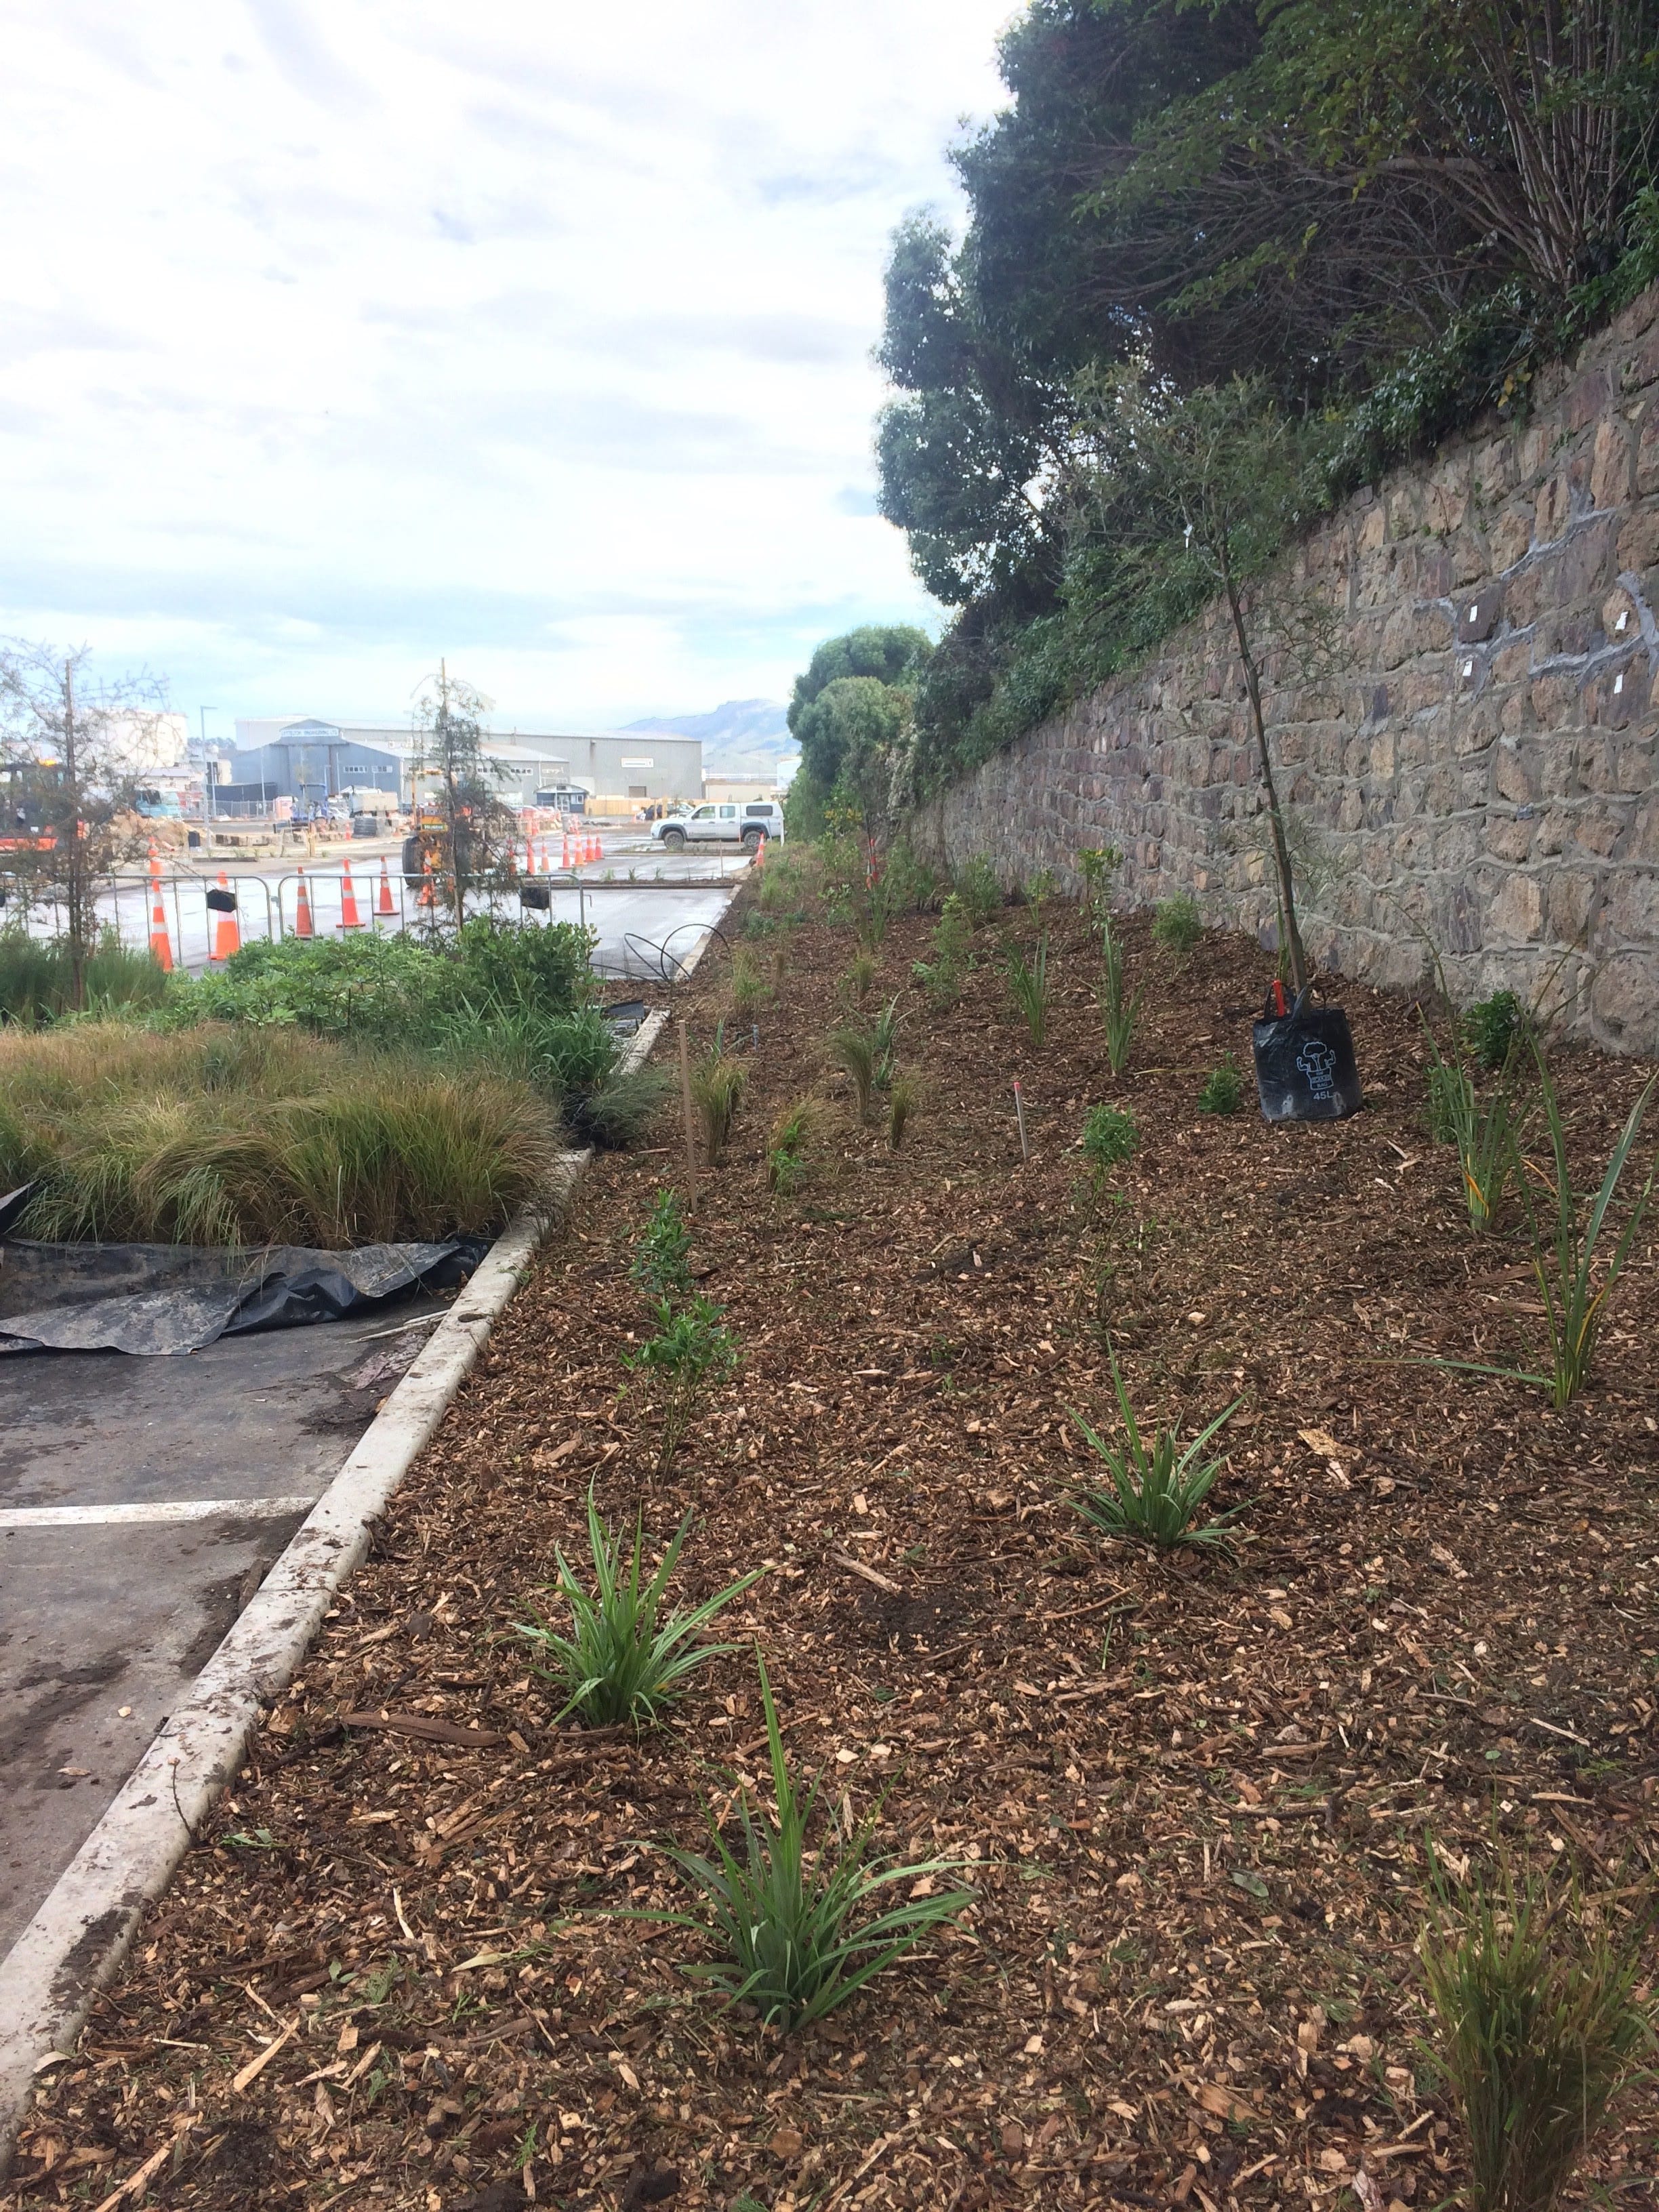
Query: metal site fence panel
column 268, row 906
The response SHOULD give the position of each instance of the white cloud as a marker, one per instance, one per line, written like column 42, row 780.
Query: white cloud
column 534, row 334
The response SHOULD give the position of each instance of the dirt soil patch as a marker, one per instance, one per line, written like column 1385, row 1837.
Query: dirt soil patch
column 1194, row 1793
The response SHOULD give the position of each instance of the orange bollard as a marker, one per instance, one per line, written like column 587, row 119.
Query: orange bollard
column 349, row 917
column 303, row 910
column 386, row 905
column 160, row 944
column 227, row 930
column 426, row 897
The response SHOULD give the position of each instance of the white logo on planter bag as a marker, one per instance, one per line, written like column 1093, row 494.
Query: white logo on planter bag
column 1318, row 1063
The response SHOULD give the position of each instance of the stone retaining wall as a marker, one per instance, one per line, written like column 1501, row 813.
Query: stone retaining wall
column 1466, row 745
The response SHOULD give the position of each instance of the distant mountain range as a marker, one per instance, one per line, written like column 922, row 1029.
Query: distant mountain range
column 737, row 730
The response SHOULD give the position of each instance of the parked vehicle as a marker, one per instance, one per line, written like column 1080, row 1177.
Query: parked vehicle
column 728, row 821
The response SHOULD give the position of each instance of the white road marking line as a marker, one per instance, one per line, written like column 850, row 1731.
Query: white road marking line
column 183, row 1509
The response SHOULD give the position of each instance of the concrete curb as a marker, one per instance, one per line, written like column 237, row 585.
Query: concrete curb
column 79, row 1936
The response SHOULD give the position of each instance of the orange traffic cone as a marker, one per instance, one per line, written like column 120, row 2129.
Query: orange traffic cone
column 386, row 905
column 349, row 917
column 303, row 910
column 160, row 944
column 760, row 852
column 227, row 930
column 564, row 850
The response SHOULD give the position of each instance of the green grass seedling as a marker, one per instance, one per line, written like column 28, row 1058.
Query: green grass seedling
column 1153, row 1495
column 801, row 1928
column 624, row 1660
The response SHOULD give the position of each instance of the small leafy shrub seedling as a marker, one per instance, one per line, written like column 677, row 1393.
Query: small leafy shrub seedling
column 1494, row 1027
column 799, row 1928
column 1118, row 1013
column 977, row 887
column 1028, row 988
column 1223, row 1091
column 687, row 1352
column 1154, row 1495
column 942, row 976
column 623, row 1660
column 1537, row 2023
column 1109, row 1137
column 1177, row 925
column 1097, row 864
column 661, row 1265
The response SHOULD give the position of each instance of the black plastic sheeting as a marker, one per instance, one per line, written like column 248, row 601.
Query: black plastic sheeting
column 168, row 1298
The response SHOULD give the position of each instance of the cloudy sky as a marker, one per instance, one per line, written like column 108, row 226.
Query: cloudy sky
column 529, row 332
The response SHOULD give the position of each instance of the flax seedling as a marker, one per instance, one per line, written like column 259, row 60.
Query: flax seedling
column 1028, row 988
column 625, row 1659
column 800, row 1928
column 1537, row 2023
column 1484, row 1125
column 1576, row 1286
column 1117, row 1012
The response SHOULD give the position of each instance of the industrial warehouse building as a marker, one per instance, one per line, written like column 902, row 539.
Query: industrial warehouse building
column 309, row 761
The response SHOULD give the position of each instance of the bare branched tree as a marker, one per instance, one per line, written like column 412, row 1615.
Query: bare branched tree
column 73, row 751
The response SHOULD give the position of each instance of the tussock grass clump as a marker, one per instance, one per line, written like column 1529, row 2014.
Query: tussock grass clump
column 223, row 1135
column 902, row 1099
column 798, row 1927
column 853, row 1049
column 749, row 988
column 860, row 977
column 624, row 1660
column 717, row 1087
column 794, row 1134
column 1537, row 2023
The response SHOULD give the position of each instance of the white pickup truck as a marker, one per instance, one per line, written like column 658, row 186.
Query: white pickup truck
column 743, row 822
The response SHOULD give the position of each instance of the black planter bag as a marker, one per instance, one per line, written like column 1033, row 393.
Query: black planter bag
column 1305, row 1069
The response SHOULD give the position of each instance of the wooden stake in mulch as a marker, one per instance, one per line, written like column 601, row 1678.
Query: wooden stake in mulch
column 690, row 1130
column 1019, row 1115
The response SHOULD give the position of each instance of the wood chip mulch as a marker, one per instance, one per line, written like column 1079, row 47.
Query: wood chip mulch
column 1195, row 1794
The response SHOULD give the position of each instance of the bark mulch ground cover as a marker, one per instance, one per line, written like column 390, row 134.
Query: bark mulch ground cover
column 1193, row 1792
